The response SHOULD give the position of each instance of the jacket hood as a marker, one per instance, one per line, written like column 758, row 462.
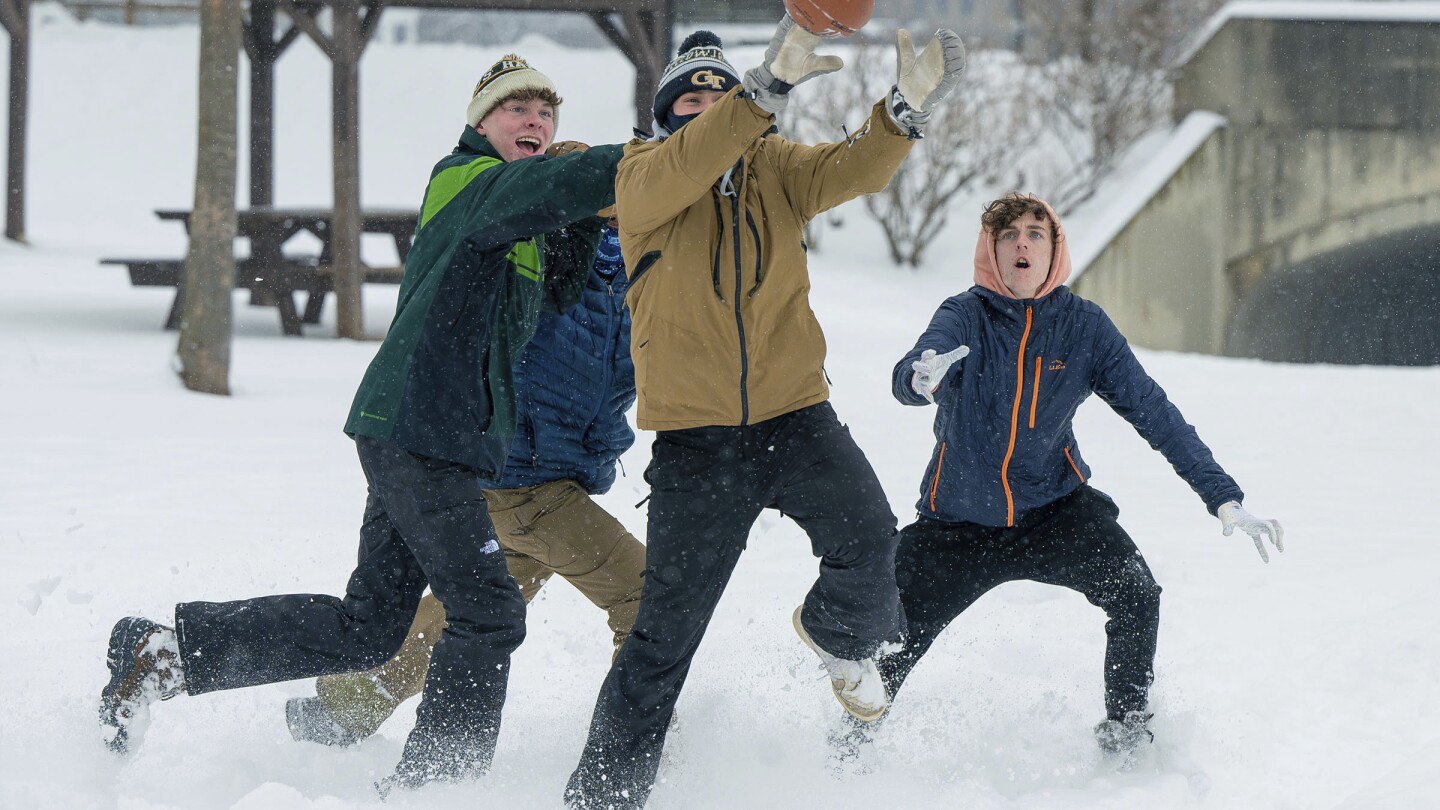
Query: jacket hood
column 987, row 267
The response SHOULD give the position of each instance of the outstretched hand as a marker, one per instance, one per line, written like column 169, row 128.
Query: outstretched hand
column 930, row 370
column 559, row 148
column 789, row 60
column 924, row 79
column 1233, row 516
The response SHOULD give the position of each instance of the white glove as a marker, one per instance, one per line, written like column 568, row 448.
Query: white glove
column 930, row 370
column 924, row 79
column 1233, row 516
column 789, row 60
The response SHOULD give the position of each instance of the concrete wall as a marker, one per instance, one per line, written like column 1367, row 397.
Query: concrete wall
column 1331, row 155
column 1161, row 278
column 1331, row 135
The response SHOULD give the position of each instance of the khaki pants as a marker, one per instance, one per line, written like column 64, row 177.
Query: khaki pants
column 550, row 528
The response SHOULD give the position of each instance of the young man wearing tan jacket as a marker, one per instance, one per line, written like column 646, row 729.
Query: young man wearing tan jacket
column 729, row 367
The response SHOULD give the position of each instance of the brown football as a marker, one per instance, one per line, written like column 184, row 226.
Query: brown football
column 831, row 18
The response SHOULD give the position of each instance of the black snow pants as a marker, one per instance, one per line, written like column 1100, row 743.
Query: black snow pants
column 708, row 486
column 425, row 523
column 1074, row 542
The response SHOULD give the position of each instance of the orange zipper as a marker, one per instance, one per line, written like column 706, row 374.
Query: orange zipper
column 1014, row 423
column 1035, row 392
column 1072, row 465
column 935, row 482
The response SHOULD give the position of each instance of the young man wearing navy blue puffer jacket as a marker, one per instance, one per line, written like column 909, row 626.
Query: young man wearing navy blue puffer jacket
column 1004, row 497
column 574, row 383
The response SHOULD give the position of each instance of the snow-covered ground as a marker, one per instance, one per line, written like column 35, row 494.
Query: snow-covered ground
column 1307, row 683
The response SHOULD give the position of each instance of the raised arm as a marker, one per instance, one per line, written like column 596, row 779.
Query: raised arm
column 657, row 180
column 822, row 177
column 818, row 178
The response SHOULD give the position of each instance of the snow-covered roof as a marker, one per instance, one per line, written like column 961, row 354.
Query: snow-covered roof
column 1417, row 11
column 1151, row 162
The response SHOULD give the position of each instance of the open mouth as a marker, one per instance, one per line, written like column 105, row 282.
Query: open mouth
column 1022, row 263
column 529, row 145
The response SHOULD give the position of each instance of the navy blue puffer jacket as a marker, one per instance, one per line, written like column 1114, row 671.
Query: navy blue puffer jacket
column 1003, row 437
column 574, row 383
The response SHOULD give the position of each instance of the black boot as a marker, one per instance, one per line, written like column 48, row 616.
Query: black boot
column 1123, row 737
column 144, row 661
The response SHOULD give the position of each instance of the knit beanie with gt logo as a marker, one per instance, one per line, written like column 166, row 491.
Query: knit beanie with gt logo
column 701, row 65
column 511, row 75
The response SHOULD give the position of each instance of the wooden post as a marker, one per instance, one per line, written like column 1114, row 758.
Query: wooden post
column 15, row 14
column 345, row 233
column 645, row 39
column 660, row 34
column 263, row 54
column 209, row 275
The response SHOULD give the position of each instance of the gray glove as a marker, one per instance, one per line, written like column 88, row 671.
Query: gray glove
column 1233, row 516
column 924, row 79
column 930, row 370
column 789, row 60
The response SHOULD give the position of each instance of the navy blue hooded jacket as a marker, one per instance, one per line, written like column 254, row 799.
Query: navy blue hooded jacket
column 1004, row 439
column 574, row 383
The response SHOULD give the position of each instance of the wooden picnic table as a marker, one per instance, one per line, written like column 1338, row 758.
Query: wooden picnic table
column 272, row 275
column 269, row 227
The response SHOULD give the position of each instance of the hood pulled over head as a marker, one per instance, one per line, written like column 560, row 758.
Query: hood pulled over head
column 987, row 266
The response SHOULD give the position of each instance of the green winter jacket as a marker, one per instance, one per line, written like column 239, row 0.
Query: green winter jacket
column 495, row 242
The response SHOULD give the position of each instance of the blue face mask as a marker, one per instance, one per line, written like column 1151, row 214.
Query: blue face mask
column 673, row 122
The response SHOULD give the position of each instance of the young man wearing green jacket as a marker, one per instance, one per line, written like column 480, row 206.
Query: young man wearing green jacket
column 503, row 231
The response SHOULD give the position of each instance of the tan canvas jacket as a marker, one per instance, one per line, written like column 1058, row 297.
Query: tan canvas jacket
column 722, row 332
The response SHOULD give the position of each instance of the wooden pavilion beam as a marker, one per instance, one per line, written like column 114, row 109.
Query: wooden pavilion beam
column 15, row 15
column 303, row 16
column 263, row 49
column 640, row 28
column 642, row 32
column 348, row 41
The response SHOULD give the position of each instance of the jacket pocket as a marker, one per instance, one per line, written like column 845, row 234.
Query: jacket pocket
column 1035, row 393
column 1073, row 465
column 935, row 481
column 646, row 262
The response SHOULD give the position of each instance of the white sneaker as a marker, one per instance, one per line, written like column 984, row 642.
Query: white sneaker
column 857, row 684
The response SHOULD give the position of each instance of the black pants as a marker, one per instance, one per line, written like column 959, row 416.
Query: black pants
column 708, row 486
column 942, row 568
column 425, row 523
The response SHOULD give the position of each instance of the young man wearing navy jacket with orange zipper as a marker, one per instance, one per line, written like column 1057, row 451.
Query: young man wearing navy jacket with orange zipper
column 1004, row 497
